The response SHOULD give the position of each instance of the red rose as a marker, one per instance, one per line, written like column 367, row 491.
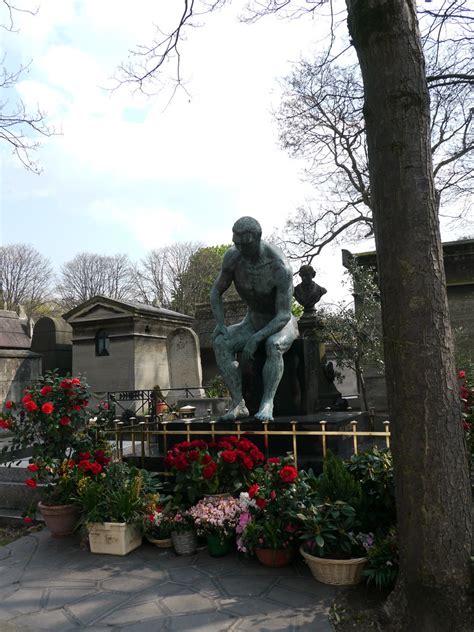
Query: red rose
column 84, row 455
column 288, row 474
column 241, row 454
column 261, row 503
column 461, row 375
column 31, row 482
column 30, row 405
column 256, row 455
column 65, row 421
column 209, row 471
column 466, row 426
column 232, row 439
column 95, row 468
column 273, row 494
column 66, row 384
column 76, row 407
column 205, row 459
column 248, row 463
column 245, row 444
column 198, row 443
column 75, row 381
column 180, row 463
column 26, row 398
column 84, row 465
column 9, row 404
column 6, row 424
column 254, row 489
column 229, row 456
column 27, row 520
column 274, row 459
column 193, row 455
column 32, row 467
column 224, row 445
column 46, row 389
column 47, row 408
column 101, row 458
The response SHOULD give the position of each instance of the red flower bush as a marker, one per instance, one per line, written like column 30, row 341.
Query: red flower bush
column 222, row 466
column 466, row 392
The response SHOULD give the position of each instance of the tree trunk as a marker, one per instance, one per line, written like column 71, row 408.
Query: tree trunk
column 430, row 455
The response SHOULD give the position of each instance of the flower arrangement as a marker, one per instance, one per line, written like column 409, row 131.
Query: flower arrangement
column 203, row 468
column 331, row 530
column 272, row 505
column 181, row 521
column 52, row 421
column 159, row 522
column 216, row 516
column 119, row 493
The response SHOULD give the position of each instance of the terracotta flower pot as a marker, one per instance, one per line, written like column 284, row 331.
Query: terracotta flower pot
column 60, row 519
column 275, row 557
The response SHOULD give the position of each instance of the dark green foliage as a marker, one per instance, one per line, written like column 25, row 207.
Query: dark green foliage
column 336, row 483
column 217, row 387
column 382, row 565
column 373, row 470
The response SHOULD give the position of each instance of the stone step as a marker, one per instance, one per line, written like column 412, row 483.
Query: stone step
column 17, row 495
column 13, row 517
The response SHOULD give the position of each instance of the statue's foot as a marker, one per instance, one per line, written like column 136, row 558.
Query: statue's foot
column 265, row 413
column 239, row 411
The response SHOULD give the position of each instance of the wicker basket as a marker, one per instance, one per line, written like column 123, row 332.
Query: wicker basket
column 335, row 572
column 184, row 543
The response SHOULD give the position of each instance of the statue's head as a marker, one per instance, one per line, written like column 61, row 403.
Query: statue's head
column 306, row 273
column 246, row 235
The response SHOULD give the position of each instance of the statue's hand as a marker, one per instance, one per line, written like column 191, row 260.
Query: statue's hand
column 220, row 330
column 249, row 349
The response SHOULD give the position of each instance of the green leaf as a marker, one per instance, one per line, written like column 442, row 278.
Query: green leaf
column 320, row 541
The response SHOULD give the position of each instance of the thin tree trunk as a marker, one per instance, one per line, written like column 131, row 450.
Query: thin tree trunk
column 430, row 456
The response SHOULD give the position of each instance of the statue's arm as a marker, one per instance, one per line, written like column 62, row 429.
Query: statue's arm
column 221, row 284
column 283, row 301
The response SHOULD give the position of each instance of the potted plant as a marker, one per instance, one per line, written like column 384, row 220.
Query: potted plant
column 52, row 423
column 333, row 548
column 113, row 508
column 194, row 470
column 157, row 526
column 183, row 533
column 236, row 459
column 269, row 527
column 216, row 519
column 161, row 406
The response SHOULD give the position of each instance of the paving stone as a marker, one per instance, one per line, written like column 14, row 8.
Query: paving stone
column 59, row 597
column 186, row 602
column 237, row 586
column 141, row 612
column 155, row 625
column 186, row 575
column 95, row 607
column 294, row 598
column 127, row 583
column 24, row 600
column 49, row 620
column 209, row 622
column 281, row 621
column 309, row 585
column 245, row 607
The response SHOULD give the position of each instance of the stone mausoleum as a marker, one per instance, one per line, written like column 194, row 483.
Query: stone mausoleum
column 124, row 346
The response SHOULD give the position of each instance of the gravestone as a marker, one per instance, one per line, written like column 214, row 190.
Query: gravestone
column 185, row 364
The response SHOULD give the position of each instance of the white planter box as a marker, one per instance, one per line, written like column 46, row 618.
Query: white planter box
column 113, row 538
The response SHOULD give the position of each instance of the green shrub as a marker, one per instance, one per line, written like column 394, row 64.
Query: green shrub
column 382, row 564
column 373, row 470
column 336, row 483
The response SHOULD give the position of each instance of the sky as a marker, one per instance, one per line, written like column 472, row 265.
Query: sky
column 129, row 172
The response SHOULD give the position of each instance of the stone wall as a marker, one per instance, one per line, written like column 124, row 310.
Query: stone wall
column 19, row 368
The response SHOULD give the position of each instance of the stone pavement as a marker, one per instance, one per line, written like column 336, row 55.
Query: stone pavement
column 52, row 584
